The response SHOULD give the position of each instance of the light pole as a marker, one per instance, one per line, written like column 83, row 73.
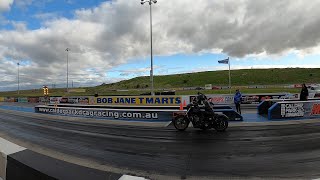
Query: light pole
column 67, row 69
column 18, row 77
column 151, row 72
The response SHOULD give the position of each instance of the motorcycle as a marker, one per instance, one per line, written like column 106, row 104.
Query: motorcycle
column 200, row 113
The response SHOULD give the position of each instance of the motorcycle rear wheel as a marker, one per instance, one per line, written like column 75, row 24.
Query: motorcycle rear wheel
column 181, row 122
column 221, row 123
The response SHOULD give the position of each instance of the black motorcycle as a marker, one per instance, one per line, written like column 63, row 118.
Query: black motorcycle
column 200, row 113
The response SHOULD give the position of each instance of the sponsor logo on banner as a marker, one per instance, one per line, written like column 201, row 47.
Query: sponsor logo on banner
column 70, row 100
column 217, row 99
column 23, row 100
column 292, row 110
column 9, row 99
column 315, row 110
column 141, row 100
column 101, row 113
column 55, row 99
column 33, row 99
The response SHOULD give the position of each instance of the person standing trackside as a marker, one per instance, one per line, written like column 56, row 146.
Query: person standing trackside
column 304, row 93
column 237, row 100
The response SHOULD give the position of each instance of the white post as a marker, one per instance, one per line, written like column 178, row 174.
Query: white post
column 229, row 75
column 18, row 78
column 67, row 69
column 151, row 73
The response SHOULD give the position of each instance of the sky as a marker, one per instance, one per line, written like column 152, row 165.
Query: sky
column 109, row 41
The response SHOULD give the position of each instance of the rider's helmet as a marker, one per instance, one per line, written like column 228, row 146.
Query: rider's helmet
column 201, row 97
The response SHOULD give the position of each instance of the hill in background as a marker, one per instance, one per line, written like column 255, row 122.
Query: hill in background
column 242, row 77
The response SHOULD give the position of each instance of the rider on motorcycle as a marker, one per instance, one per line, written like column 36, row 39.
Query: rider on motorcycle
column 202, row 103
column 200, row 113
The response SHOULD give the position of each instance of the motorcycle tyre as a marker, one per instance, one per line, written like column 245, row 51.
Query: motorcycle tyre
column 175, row 122
column 224, row 118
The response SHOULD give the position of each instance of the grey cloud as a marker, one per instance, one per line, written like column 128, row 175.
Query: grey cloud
column 46, row 16
column 23, row 4
column 5, row 5
column 116, row 32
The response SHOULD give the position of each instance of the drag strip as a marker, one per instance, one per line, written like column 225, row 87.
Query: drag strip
column 288, row 151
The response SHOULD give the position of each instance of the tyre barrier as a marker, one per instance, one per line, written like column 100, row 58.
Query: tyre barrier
column 127, row 113
column 17, row 162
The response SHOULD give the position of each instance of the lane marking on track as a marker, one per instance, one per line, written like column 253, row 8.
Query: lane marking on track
column 128, row 177
column 168, row 124
column 8, row 147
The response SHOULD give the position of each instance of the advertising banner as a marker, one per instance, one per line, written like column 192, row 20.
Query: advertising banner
column 54, row 100
column 292, row 110
column 258, row 98
column 216, row 99
column 139, row 100
column 70, row 100
column 9, row 99
column 44, row 99
column 83, row 100
column 111, row 114
column 33, row 99
column 295, row 109
column 246, row 98
column 315, row 110
column 23, row 100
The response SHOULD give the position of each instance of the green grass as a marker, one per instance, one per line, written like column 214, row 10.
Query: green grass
column 245, row 77
column 245, row 91
column 220, row 78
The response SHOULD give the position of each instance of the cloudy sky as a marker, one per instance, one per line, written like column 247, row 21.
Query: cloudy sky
column 110, row 40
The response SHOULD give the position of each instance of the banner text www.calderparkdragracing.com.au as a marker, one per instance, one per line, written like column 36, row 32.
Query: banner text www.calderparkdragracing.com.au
column 100, row 113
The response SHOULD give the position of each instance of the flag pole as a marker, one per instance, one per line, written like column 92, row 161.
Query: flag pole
column 229, row 76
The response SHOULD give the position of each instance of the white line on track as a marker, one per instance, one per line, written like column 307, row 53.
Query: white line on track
column 128, row 177
column 8, row 147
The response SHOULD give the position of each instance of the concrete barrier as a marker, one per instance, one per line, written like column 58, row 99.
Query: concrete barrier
column 127, row 113
column 294, row 110
column 18, row 163
column 264, row 106
column 7, row 148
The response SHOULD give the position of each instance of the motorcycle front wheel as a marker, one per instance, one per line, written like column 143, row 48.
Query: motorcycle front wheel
column 181, row 122
column 221, row 123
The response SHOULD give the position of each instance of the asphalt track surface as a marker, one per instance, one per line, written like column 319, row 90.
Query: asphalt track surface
column 291, row 151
